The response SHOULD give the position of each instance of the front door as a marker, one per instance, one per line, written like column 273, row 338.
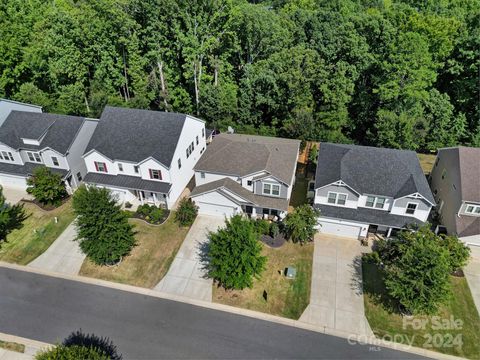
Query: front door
column 248, row 209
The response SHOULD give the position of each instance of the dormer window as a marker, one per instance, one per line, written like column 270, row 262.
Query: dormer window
column 155, row 174
column 136, row 169
column 411, row 207
column 375, row 201
column 337, row 198
column 34, row 157
column 472, row 209
column 100, row 166
column 55, row 161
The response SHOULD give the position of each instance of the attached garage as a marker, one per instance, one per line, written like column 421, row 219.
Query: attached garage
column 216, row 204
column 12, row 181
column 341, row 229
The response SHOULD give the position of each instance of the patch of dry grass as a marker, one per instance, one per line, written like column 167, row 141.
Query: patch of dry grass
column 12, row 346
column 149, row 261
column 426, row 162
column 285, row 297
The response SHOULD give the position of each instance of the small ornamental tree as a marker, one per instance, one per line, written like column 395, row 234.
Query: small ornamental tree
column 11, row 217
column 299, row 225
column 459, row 252
column 417, row 270
column 73, row 352
column 186, row 212
column 235, row 254
column 47, row 188
column 104, row 232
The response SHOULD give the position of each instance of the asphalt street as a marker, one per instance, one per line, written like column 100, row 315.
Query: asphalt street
column 48, row 309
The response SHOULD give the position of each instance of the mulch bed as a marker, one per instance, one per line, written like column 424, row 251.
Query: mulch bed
column 46, row 207
column 458, row 273
column 164, row 218
column 275, row 242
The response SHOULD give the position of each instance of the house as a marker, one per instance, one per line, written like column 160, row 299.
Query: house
column 246, row 174
column 455, row 181
column 361, row 189
column 144, row 156
column 7, row 106
column 32, row 139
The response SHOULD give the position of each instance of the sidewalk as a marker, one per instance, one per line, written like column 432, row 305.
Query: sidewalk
column 32, row 347
column 472, row 274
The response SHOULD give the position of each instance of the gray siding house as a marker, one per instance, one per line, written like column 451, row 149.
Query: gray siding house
column 455, row 181
column 361, row 189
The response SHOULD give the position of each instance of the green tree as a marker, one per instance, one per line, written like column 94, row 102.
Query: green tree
column 73, row 352
column 313, row 155
column 11, row 217
column 234, row 254
column 104, row 232
column 186, row 212
column 299, row 225
column 458, row 251
column 47, row 187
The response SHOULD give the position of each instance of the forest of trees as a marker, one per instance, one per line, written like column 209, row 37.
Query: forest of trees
column 402, row 74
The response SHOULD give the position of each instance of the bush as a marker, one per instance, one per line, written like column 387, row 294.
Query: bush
column 459, row 252
column 262, row 226
column 274, row 230
column 74, row 352
column 104, row 233
column 46, row 187
column 128, row 205
column 151, row 213
column 299, row 225
column 11, row 217
column 235, row 254
column 187, row 212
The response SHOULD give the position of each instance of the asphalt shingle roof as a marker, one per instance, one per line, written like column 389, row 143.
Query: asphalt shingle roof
column 370, row 170
column 135, row 135
column 27, row 169
column 241, row 155
column 54, row 131
column 128, row 182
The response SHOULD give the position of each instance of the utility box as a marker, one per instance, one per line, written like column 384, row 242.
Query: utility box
column 290, row 272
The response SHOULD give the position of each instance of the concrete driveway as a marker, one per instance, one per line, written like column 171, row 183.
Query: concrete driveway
column 186, row 275
column 14, row 195
column 63, row 256
column 336, row 299
column 472, row 274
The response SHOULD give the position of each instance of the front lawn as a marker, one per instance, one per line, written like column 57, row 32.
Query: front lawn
column 287, row 298
column 388, row 324
column 149, row 260
column 39, row 231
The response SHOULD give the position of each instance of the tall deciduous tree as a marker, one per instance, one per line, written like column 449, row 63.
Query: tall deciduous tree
column 11, row 217
column 46, row 187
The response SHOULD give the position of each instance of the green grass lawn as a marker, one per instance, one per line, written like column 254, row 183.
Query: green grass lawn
column 299, row 191
column 464, row 342
column 285, row 297
column 24, row 245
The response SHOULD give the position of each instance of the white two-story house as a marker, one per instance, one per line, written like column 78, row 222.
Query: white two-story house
column 29, row 139
column 144, row 156
column 246, row 174
column 361, row 189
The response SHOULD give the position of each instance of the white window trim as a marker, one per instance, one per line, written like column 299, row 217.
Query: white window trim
column 271, row 189
column 375, row 201
column 336, row 198
column 53, row 162
column 406, row 208
column 471, row 213
column 33, row 153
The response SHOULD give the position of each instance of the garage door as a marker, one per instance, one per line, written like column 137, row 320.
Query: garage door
column 13, row 181
column 339, row 229
column 215, row 209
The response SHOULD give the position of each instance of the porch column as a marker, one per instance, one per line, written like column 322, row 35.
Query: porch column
column 141, row 197
column 389, row 232
column 254, row 212
column 154, row 199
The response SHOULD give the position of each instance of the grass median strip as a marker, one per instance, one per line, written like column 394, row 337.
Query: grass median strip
column 12, row 346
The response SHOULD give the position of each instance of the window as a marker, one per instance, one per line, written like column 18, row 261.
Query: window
column 179, row 163
column 472, row 209
column 155, row 174
column 411, row 207
column 337, row 198
column 79, row 176
column 436, row 161
column 136, row 169
column 7, row 156
column 55, row 161
column 444, row 173
column 100, row 166
column 370, row 201
column 34, row 157
column 193, row 148
column 380, row 203
column 202, row 175
column 374, row 201
column 454, row 187
column 249, row 182
column 190, row 150
column 203, row 132
column 197, row 140
column 271, row 189
column 120, row 167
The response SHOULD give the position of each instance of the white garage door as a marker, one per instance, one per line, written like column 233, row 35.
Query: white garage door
column 339, row 229
column 13, row 181
column 215, row 209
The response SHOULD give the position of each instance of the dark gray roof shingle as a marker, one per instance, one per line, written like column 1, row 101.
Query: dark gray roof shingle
column 54, row 131
column 370, row 170
column 27, row 169
column 127, row 182
column 135, row 135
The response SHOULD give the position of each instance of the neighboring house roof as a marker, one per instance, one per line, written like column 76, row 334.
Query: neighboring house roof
column 27, row 169
column 19, row 103
column 370, row 170
column 127, row 182
column 368, row 216
column 135, row 135
column 239, row 190
column 52, row 130
column 208, row 133
column 241, row 155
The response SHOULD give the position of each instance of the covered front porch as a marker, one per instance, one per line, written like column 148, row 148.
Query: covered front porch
column 142, row 197
column 256, row 212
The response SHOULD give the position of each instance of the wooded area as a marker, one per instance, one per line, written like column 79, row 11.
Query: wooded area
column 400, row 74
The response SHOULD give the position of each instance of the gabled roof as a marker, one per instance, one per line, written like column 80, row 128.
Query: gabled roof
column 135, row 135
column 370, row 170
column 52, row 130
column 241, row 155
column 27, row 169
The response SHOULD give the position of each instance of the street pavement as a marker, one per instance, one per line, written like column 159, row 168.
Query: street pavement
column 48, row 309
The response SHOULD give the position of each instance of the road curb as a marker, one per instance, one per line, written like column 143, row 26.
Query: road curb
column 352, row 339
column 31, row 346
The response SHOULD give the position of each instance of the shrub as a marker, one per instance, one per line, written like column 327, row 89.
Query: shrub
column 47, row 188
column 104, row 233
column 459, row 252
column 235, row 254
column 11, row 217
column 186, row 212
column 262, row 226
column 299, row 225
column 274, row 230
column 128, row 205
column 151, row 213
column 74, row 352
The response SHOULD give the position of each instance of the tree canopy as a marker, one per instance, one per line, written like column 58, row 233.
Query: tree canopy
column 398, row 73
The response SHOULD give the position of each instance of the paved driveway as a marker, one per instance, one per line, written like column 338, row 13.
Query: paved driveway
column 336, row 299
column 472, row 274
column 186, row 276
column 63, row 256
column 14, row 195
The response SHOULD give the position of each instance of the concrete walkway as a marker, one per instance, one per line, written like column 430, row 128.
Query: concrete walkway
column 186, row 276
column 63, row 256
column 336, row 299
column 14, row 195
column 472, row 274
